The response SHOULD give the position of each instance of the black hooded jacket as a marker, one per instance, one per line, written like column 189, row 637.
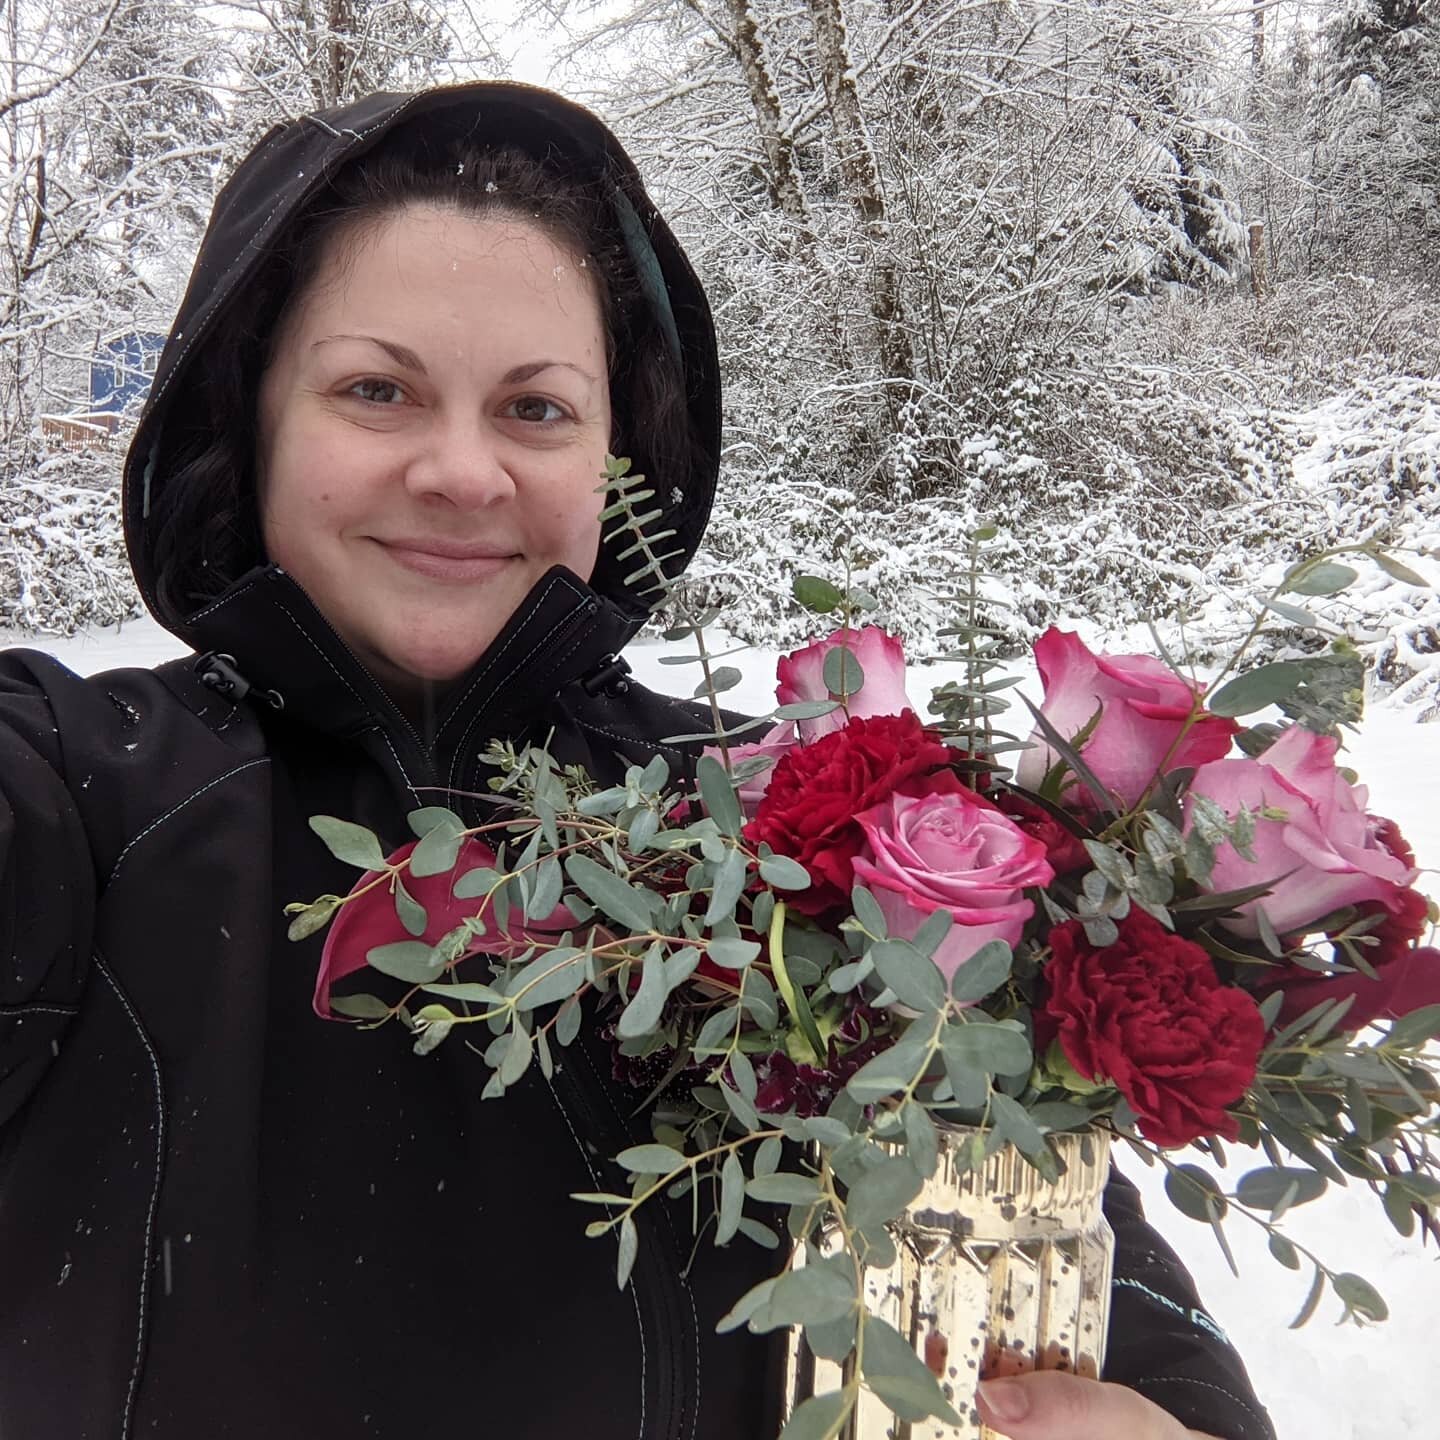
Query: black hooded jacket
column 220, row 1216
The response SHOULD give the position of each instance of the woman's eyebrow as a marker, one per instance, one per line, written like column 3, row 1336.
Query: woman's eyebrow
column 531, row 368
column 402, row 355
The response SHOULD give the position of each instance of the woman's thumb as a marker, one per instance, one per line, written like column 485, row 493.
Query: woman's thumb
column 1052, row 1405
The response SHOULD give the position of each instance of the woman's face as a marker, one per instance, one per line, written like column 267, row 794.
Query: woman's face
column 432, row 429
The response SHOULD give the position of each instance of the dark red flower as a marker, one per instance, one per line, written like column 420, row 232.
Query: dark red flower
column 1063, row 848
column 1149, row 1015
column 817, row 790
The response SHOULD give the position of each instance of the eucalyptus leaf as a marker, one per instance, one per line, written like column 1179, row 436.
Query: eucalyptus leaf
column 732, row 1199
column 517, row 1057
column 612, row 893
column 1265, row 1189
column 806, row 709
column 984, row 972
column 410, row 960
column 882, row 1193
column 410, row 911
column 842, row 672
column 921, row 1138
column 553, row 975
column 428, row 817
column 1326, row 578
column 353, row 844
column 1195, row 1193
column 729, row 885
column 783, row 1188
column 1258, row 688
column 718, row 792
column 1312, row 1300
column 437, row 851
column 867, row 911
column 995, row 1049
column 628, row 1248
column 1396, row 571
column 818, row 1418
column 900, row 1377
column 650, row 1159
column 359, row 1007
column 642, row 1014
column 784, row 873
column 1360, row 1296
column 816, row 594
column 910, row 974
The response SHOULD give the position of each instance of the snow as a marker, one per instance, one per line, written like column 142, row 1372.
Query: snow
column 1339, row 1383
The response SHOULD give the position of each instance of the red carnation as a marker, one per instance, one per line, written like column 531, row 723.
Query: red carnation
column 1063, row 848
column 1149, row 1015
column 817, row 790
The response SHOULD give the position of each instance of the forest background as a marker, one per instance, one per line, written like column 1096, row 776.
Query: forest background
column 1150, row 285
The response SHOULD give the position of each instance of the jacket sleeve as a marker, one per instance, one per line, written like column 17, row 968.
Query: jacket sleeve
column 47, row 889
column 1161, row 1342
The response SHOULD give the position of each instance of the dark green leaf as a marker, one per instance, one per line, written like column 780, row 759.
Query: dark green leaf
column 353, row 844
column 816, row 594
column 1257, row 688
column 1265, row 1189
column 359, row 1007
column 1195, row 1194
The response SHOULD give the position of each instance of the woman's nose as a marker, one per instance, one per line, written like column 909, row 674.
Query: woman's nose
column 461, row 461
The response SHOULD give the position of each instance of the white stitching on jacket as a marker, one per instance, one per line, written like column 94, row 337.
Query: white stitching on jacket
column 149, row 1247
column 634, row 1300
column 1204, row 1384
column 176, row 809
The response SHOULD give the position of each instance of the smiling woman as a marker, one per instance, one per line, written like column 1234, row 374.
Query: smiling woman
column 431, row 425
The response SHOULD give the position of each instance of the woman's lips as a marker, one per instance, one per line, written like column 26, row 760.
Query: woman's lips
column 453, row 564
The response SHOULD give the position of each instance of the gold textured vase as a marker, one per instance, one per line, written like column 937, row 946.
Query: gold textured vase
column 997, row 1271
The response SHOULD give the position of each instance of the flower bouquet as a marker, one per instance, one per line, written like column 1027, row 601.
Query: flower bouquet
column 872, row 951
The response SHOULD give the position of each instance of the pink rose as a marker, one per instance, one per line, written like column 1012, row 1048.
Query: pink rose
column 801, row 676
column 773, row 744
column 1314, row 844
column 370, row 919
column 943, row 847
column 1145, row 723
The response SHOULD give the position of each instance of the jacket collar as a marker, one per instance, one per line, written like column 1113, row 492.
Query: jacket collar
column 274, row 641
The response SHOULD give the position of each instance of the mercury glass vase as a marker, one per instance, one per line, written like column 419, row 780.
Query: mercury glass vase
column 997, row 1271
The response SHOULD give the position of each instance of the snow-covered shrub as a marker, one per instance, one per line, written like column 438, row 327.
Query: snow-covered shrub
column 64, row 562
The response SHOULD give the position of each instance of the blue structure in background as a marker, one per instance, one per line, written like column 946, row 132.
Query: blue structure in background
column 121, row 372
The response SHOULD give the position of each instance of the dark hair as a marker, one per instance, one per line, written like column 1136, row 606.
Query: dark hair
column 204, row 523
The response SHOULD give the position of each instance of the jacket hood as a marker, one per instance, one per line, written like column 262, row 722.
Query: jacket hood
column 281, row 179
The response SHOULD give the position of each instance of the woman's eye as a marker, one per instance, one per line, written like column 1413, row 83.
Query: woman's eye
column 377, row 392
column 536, row 410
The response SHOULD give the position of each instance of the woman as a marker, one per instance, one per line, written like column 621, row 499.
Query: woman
column 364, row 491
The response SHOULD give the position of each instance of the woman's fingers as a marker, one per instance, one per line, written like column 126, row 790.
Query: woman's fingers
column 1051, row 1405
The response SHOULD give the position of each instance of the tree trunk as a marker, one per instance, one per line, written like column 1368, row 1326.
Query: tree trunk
column 862, row 177
column 783, row 177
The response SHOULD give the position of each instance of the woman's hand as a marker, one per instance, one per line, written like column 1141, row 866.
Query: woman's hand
column 1051, row 1405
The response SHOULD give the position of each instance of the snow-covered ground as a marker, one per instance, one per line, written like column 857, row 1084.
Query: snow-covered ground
column 1322, row 1382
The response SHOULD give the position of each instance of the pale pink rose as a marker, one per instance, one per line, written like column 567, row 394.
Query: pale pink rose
column 950, row 849
column 1144, row 708
column 773, row 744
column 1325, row 853
column 801, row 676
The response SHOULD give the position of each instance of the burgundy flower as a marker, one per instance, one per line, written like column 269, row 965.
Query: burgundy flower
column 1149, row 1015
